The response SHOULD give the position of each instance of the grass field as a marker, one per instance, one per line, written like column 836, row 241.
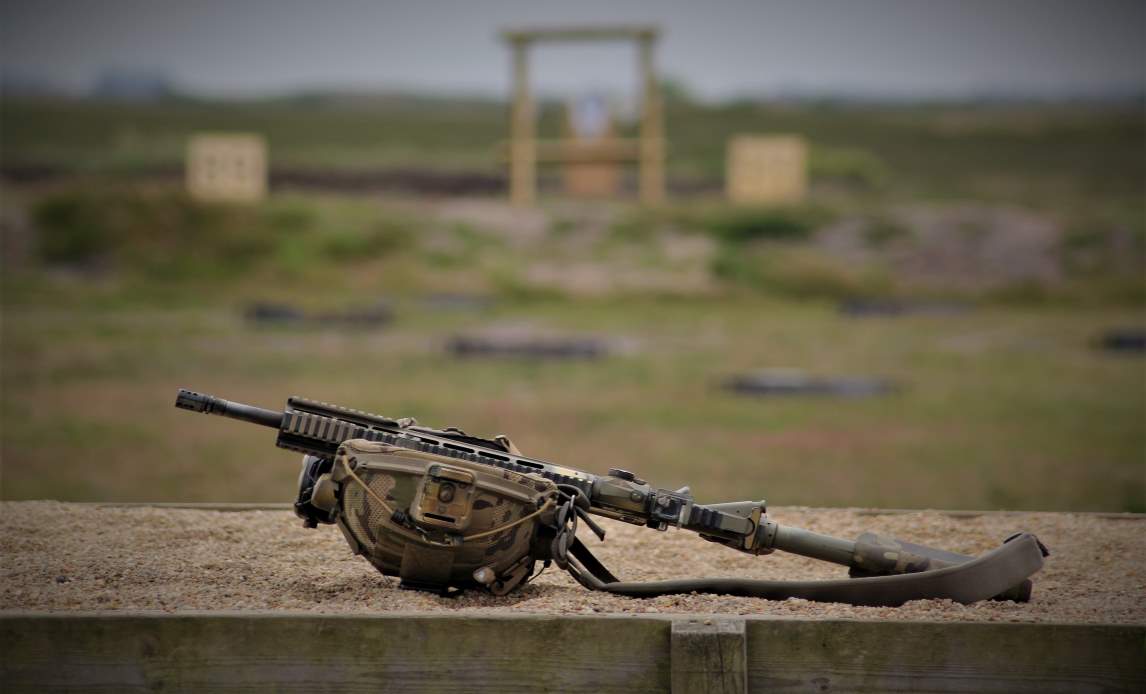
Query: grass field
column 1002, row 408
column 113, row 296
column 1069, row 155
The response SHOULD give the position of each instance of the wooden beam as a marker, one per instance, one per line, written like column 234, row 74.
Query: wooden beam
column 608, row 32
column 800, row 656
column 652, row 175
column 522, row 132
column 430, row 652
column 709, row 655
column 237, row 652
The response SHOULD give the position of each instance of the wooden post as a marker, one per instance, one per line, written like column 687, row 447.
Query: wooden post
column 522, row 132
column 651, row 173
column 709, row 655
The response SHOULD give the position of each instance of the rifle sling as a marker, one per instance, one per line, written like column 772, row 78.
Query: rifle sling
column 981, row 578
column 591, row 563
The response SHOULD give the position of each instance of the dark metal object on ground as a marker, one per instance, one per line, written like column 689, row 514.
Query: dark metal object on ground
column 795, row 382
column 458, row 302
column 266, row 313
column 527, row 346
column 863, row 307
column 1126, row 340
column 274, row 313
column 445, row 510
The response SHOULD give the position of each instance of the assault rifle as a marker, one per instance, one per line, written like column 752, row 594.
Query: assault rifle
column 883, row 571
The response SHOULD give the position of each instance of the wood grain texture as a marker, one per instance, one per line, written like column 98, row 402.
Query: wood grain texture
column 239, row 653
column 264, row 651
column 947, row 657
column 709, row 655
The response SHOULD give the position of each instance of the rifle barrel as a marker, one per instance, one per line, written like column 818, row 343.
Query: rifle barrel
column 209, row 404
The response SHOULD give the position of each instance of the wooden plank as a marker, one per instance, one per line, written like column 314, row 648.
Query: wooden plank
column 651, row 177
column 522, row 133
column 246, row 651
column 308, row 653
column 944, row 656
column 709, row 655
column 614, row 32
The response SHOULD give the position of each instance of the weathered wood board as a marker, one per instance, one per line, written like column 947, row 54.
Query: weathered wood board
column 833, row 656
column 236, row 651
column 227, row 652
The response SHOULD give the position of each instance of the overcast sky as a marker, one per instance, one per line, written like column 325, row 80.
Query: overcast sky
column 718, row 48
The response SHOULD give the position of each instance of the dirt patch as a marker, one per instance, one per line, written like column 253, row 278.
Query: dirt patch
column 60, row 556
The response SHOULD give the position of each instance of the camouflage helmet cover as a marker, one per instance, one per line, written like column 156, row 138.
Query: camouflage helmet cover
column 435, row 521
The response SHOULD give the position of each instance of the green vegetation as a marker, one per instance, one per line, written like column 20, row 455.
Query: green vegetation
column 161, row 233
column 723, row 222
column 117, row 289
column 165, row 235
column 883, row 230
column 139, row 239
column 1029, row 154
column 848, row 166
column 744, row 224
column 796, row 272
column 88, row 390
column 90, row 361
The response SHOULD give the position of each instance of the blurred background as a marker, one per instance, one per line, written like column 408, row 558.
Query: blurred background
column 877, row 253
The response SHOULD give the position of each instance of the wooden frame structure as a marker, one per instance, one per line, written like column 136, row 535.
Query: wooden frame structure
column 525, row 150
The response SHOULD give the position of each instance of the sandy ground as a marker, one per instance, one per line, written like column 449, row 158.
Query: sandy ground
column 58, row 556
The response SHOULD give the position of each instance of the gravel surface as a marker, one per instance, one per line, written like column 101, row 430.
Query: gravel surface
column 58, row 556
